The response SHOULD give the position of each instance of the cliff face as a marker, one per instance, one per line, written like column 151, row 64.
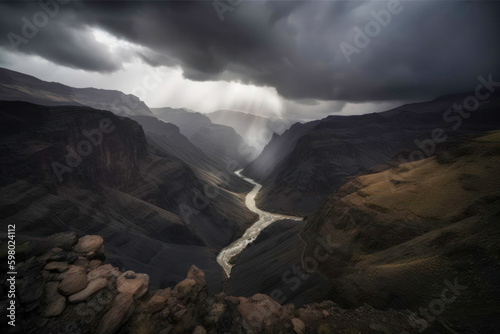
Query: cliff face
column 406, row 236
column 143, row 202
column 15, row 86
column 65, row 285
column 308, row 162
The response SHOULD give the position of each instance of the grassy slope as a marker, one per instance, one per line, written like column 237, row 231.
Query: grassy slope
column 401, row 233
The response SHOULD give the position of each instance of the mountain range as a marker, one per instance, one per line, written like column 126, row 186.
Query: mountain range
column 399, row 232
column 301, row 167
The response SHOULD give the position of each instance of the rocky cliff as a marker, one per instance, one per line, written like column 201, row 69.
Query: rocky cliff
column 65, row 287
column 90, row 171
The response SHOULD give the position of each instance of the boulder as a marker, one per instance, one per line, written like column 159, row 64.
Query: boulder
column 54, row 308
column 157, row 302
column 196, row 274
column 88, row 243
column 94, row 264
column 130, row 283
column 54, row 302
column 105, row 271
column 93, row 286
column 260, row 311
column 56, row 266
column 199, row 330
column 298, row 326
column 118, row 314
column 185, row 288
column 75, row 280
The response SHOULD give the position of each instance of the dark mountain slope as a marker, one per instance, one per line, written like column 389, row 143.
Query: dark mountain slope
column 272, row 265
column 401, row 236
column 144, row 202
column 300, row 168
column 15, row 86
column 219, row 142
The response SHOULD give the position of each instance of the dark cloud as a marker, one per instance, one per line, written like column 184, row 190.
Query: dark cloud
column 430, row 48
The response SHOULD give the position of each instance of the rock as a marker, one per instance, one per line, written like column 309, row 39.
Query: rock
column 54, row 302
column 94, row 264
column 105, row 271
column 260, row 311
column 215, row 313
column 55, row 308
column 74, row 280
column 196, row 274
column 83, row 262
column 64, row 240
column 233, row 300
column 71, row 257
column 130, row 283
column 165, row 313
column 179, row 313
column 157, row 302
column 93, row 286
column 48, row 276
column 298, row 326
column 118, row 314
column 199, row 330
column 57, row 266
column 88, row 243
column 184, row 288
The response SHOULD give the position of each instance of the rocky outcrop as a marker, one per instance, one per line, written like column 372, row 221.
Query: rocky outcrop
column 115, row 302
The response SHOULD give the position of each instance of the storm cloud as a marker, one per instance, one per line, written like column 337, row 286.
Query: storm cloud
column 426, row 49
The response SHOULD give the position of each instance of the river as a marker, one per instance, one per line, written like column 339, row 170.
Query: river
column 265, row 219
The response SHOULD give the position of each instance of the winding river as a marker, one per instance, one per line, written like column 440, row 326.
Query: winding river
column 265, row 219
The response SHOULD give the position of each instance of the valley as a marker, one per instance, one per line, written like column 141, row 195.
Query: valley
column 332, row 228
column 227, row 255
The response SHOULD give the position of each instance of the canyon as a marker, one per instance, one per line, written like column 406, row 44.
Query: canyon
column 154, row 221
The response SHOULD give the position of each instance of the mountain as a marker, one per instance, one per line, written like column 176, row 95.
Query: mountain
column 15, row 86
column 190, row 122
column 253, row 128
column 413, row 249
column 217, row 176
column 219, row 142
column 421, row 236
column 305, row 164
column 79, row 169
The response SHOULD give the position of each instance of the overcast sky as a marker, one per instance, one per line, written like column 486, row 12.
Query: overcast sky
column 298, row 59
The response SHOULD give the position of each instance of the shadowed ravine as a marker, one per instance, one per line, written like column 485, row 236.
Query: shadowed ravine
column 265, row 219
